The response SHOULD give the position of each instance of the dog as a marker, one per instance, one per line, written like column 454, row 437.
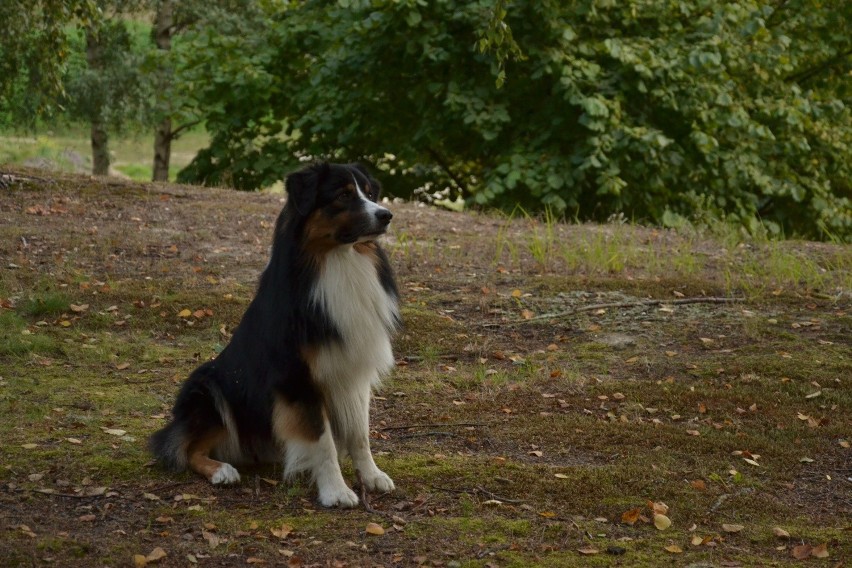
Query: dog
column 295, row 381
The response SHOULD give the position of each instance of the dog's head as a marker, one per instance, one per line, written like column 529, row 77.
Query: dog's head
column 337, row 203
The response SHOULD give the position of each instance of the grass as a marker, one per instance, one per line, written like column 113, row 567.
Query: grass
column 512, row 442
column 68, row 150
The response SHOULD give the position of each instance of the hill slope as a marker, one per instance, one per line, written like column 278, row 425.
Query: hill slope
column 552, row 381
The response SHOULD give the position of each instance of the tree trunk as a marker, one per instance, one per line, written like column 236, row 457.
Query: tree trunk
column 163, row 25
column 162, row 150
column 100, row 137
column 100, row 149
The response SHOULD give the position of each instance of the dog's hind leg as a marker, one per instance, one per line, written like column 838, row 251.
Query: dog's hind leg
column 199, row 460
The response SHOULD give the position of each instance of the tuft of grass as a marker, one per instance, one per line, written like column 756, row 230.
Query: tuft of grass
column 16, row 339
column 46, row 304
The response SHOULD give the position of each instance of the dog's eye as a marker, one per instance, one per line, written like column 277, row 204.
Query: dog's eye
column 345, row 194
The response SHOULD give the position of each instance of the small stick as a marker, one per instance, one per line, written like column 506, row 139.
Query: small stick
column 407, row 426
column 426, row 434
column 365, row 499
column 638, row 303
column 498, row 497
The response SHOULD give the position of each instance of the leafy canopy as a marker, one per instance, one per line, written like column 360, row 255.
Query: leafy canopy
column 657, row 109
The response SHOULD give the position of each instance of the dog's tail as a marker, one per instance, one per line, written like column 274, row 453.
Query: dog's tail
column 169, row 446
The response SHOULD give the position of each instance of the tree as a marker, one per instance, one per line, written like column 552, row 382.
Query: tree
column 33, row 50
column 655, row 109
column 104, row 84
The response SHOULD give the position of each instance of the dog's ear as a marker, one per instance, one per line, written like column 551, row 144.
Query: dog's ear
column 302, row 187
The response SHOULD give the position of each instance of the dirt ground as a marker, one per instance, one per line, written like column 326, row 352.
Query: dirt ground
column 565, row 395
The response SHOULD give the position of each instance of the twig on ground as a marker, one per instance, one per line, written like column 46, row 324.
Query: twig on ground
column 491, row 495
column 365, row 498
column 479, row 489
column 634, row 304
column 446, row 424
column 427, row 434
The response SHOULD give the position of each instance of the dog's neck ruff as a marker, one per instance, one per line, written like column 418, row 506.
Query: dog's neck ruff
column 349, row 291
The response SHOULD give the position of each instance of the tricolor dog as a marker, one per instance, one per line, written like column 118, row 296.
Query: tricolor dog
column 295, row 381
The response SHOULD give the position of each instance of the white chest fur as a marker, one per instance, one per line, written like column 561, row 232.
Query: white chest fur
column 350, row 292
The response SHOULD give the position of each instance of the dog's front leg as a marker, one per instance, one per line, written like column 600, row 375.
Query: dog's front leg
column 357, row 439
column 320, row 459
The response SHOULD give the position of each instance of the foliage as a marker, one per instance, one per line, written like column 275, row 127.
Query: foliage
column 33, row 50
column 117, row 92
column 654, row 109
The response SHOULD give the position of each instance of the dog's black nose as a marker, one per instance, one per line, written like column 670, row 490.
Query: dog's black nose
column 384, row 216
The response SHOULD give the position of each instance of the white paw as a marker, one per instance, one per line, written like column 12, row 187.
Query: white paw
column 378, row 481
column 338, row 497
column 225, row 474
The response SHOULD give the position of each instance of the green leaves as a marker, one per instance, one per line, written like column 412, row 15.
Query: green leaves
column 660, row 111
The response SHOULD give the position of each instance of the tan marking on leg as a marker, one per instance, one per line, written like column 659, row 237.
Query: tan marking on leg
column 198, row 454
column 293, row 422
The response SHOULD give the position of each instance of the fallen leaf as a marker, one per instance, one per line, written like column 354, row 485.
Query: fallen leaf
column 801, row 552
column 283, row 532
column 29, row 446
column 751, row 462
column 527, row 314
column 588, row 551
column 114, row 431
column 813, row 394
column 375, row 529
column 693, row 432
column 820, row 551
column 560, row 476
column 662, row 522
column 659, row 508
column 630, row 517
column 184, row 313
column 698, row 485
column 212, row 538
column 122, row 366
column 76, row 441
column 87, row 518
column 732, row 528
column 780, row 533
column 696, row 540
column 255, row 560
column 78, row 308
column 156, row 554
column 673, row 548
column 139, row 561
column 516, row 293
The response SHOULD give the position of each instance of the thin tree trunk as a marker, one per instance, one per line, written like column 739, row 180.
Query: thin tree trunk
column 100, row 149
column 100, row 137
column 162, row 150
column 163, row 136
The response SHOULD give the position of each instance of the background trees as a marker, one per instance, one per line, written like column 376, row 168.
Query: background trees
column 657, row 110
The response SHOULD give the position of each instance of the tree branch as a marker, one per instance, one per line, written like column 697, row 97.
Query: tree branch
column 807, row 74
column 176, row 132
